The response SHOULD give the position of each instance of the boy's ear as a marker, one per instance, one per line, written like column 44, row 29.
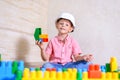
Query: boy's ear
column 71, row 29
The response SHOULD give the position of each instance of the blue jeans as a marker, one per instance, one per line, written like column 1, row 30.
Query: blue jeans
column 79, row 65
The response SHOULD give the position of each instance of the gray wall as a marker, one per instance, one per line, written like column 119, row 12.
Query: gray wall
column 98, row 25
column 18, row 20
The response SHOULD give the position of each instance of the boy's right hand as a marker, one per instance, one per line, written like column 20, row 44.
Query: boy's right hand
column 40, row 44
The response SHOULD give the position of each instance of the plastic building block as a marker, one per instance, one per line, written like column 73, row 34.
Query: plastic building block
column 59, row 75
column 119, row 76
column 37, row 69
column 14, row 67
column 94, row 71
column 46, row 75
column 108, row 69
column 6, row 71
column 64, row 69
column 113, row 64
column 43, row 36
column 37, row 33
column 39, row 36
column 15, row 71
column 26, row 74
column 115, row 75
column 19, row 75
column 85, row 76
column 21, row 65
column 53, row 74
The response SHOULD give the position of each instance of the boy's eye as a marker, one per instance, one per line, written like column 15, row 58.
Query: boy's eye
column 61, row 23
column 67, row 25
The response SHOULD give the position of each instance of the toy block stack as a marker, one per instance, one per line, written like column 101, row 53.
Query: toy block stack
column 51, row 74
column 15, row 70
column 11, row 70
column 39, row 36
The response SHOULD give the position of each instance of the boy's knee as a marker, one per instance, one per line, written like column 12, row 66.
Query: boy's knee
column 83, row 65
column 47, row 65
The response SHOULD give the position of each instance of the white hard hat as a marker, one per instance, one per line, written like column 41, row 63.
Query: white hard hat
column 69, row 17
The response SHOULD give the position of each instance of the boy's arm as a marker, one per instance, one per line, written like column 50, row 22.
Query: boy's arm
column 77, row 57
column 87, row 57
column 44, row 56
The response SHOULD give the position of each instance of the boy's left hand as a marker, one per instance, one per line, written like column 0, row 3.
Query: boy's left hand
column 87, row 57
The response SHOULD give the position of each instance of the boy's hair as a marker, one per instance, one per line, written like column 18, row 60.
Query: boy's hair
column 65, row 19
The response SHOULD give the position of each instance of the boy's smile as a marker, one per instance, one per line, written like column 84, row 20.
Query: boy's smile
column 64, row 26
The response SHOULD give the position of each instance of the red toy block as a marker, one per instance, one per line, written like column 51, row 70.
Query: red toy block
column 45, row 39
column 94, row 71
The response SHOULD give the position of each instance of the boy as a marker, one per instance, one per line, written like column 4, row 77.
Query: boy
column 62, row 47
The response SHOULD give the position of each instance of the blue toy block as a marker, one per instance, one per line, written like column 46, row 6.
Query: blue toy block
column 84, row 70
column 43, row 69
column 6, row 71
column 2, row 70
column 21, row 65
column 40, row 40
column 59, row 70
column 32, row 69
column 102, row 67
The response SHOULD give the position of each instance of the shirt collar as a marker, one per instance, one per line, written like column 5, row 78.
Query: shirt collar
column 59, row 39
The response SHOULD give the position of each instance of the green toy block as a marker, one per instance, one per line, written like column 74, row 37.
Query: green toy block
column 19, row 75
column 64, row 69
column 37, row 32
column 119, row 76
column 14, row 67
column 108, row 69
column 79, row 75
column 37, row 69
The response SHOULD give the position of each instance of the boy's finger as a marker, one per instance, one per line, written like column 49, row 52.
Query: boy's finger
column 36, row 42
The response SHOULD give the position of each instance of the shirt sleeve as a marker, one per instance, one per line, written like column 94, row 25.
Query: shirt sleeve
column 76, row 48
column 48, row 49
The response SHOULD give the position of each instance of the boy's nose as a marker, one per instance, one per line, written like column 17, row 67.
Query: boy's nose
column 63, row 25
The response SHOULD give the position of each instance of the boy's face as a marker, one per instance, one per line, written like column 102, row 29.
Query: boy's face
column 64, row 26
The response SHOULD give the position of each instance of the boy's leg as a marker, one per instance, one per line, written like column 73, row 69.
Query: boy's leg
column 79, row 65
column 52, row 65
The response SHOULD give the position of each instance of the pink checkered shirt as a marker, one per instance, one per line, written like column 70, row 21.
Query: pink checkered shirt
column 62, row 52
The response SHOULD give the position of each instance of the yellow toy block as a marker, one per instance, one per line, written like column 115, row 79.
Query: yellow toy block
column 59, row 75
column 52, row 75
column 113, row 64
column 85, row 76
column 43, row 36
column 46, row 75
column 39, row 75
column 103, row 76
column 74, row 74
column 108, row 76
column 66, row 75
column 115, row 76
column 32, row 75
column 26, row 74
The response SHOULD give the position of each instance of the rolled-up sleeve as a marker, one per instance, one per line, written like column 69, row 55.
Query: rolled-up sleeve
column 48, row 49
column 76, row 48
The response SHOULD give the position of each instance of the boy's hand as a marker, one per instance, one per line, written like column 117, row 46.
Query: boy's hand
column 87, row 57
column 40, row 44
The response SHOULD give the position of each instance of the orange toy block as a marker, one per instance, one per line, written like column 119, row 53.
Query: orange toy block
column 94, row 71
